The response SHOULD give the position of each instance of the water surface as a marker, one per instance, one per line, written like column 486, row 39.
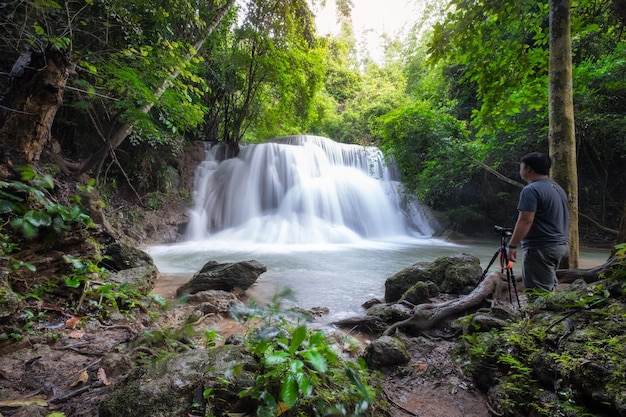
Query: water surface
column 341, row 277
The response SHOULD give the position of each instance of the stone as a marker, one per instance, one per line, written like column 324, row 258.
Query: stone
column 223, row 276
column 386, row 351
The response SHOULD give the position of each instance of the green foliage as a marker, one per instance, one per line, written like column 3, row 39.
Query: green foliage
column 264, row 72
column 618, row 271
column 568, row 348
column 31, row 211
column 507, row 82
column 424, row 142
column 301, row 374
column 134, row 75
column 157, row 344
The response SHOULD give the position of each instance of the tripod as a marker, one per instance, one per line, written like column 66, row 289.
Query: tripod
column 505, row 264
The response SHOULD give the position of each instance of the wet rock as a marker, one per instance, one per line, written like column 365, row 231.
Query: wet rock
column 129, row 265
column 390, row 313
column 167, row 387
column 401, row 281
column 455, row 274
column 225, row 277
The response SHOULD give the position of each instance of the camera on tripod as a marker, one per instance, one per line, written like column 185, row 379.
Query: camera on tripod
column 504, row 231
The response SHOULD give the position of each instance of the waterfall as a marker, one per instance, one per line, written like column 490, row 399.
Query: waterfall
column 303, row 190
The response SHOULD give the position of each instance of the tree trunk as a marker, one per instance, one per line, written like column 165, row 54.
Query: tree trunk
column 567, row 276
column 562, row 137
column 621, row 234
column 29, row 106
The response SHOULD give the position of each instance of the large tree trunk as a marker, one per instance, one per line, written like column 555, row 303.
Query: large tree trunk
column 567, row 276
column 562, row 137
column 30, row 105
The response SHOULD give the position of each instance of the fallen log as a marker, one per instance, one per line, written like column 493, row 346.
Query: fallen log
column 567, row 276
column 425, row 316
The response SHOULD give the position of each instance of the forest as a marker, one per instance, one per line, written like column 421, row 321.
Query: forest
column 119, row 90
column 100, row 101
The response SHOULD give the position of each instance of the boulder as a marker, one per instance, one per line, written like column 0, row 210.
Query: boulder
column 401, row 281
column 455, row 274
column 225, row 277
column 129, row 265
column 174, row 386
column 386, row 351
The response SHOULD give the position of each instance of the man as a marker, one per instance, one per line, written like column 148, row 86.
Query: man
column 542, row 225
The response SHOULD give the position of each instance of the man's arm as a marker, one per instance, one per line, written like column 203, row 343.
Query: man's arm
column 525, row 219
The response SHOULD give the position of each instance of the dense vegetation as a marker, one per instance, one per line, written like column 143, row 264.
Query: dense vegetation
column 107, row 95
column 447, row 103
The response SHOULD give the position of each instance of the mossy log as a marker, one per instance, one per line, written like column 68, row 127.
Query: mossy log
column 426, row 316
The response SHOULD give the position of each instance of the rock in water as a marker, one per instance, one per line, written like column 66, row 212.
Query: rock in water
column 225, row 277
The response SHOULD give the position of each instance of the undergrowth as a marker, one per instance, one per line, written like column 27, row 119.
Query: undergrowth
column 566, row 357
column 301, row 372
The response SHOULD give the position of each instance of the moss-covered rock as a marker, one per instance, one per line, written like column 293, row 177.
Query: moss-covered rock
column 174, row 386
column 564, row 356
column 455, row 274
column 386, row 351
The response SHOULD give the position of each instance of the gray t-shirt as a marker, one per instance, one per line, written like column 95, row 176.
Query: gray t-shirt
column 548, row 201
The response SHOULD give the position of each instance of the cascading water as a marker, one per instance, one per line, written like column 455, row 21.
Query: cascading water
column 303, row 190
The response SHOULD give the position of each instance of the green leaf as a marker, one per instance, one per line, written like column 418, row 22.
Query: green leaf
column 317, row 360
column 6, row 206
column 297, row 338
column 270, row 409
column 46, row 181
column 27, row 229
column 289, row 391
column 276, row 358
column 304, row 383
column 72, row 282
column 47, row 3
column 22, row 264
column 38, row 218
column 76, row 263
column 27, row 172
column 356, row 380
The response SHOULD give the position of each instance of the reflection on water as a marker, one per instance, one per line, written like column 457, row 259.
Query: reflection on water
column 340, row 276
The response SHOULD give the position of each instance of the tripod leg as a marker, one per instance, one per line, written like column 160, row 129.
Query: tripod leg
column 511, row 279
column 493, row 259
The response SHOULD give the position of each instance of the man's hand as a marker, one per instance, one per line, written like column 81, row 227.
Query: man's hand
column 511, row 254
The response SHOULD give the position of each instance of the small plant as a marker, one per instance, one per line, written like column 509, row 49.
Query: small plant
column 301, row 374
column 31, row 208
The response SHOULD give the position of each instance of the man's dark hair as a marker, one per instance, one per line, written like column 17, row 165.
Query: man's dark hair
column 538, row 162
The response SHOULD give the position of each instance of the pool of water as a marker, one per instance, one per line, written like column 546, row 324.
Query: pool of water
column 339, row 276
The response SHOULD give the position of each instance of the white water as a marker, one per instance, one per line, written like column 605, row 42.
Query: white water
column 303, row 190
column 328, row 220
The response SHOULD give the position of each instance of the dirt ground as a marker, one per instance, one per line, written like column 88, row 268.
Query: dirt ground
column 433, row 385
column 71, row 368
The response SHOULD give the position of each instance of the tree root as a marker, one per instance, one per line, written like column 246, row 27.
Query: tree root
column 425, row 316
